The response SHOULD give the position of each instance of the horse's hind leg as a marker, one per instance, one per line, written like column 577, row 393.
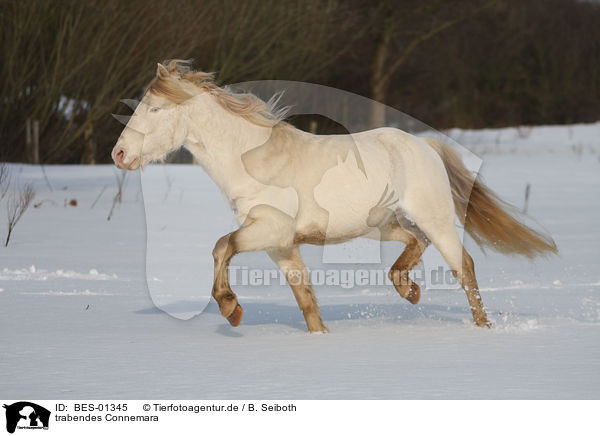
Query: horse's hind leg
column 438, row 225
column 446, row 240
column 291, row 264
column 396, row 229
column 469, row 283
column 398, row 274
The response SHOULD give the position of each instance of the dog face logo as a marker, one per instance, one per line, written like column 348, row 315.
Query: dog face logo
column 26, row 415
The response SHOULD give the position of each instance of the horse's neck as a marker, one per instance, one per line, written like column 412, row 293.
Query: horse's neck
column 218, row 143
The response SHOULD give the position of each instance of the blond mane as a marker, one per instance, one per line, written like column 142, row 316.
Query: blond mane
column 245, row 104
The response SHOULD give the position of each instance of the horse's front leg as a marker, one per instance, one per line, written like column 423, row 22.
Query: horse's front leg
column 224, row 250
column 291, row 264
column 265, row 228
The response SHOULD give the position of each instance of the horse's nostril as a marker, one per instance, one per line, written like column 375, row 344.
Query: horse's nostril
column 120, row 155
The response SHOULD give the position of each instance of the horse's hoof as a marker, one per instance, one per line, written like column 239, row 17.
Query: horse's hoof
column 483, row 323
column 319, row 331
column 414, row 295
column 236, row 316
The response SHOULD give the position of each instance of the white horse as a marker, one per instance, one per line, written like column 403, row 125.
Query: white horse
column 289, row 187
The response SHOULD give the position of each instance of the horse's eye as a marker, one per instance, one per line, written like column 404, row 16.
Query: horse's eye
column 154, row 109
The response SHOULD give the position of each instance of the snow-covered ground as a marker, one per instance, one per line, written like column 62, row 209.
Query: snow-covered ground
column 531, row 140
column 77, row 319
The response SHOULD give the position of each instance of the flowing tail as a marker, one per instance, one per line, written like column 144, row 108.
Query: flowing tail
column 489, row 220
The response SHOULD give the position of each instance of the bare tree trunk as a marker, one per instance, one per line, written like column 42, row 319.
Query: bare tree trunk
column 379, row 84
column 378, row 93
column 383, row 71
column 36, row 142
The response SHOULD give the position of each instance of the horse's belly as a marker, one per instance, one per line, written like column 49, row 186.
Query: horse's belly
column 348, row 194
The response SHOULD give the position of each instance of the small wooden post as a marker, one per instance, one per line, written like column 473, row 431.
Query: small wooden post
column 527, row 191
column 36, row 142
column 89, row 148
column 28, row 151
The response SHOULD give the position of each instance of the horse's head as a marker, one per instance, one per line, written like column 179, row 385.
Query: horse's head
column 155, row 129
column 185, row 107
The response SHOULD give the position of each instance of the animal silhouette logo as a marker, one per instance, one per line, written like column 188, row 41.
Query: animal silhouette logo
column 26, row 415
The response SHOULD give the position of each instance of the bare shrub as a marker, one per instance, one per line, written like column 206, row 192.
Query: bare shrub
column 17, row 205
column 98, row 197
column 118, row 198
column 4, row 180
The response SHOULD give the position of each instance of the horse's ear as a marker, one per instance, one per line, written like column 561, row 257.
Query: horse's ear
column 161, row 71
